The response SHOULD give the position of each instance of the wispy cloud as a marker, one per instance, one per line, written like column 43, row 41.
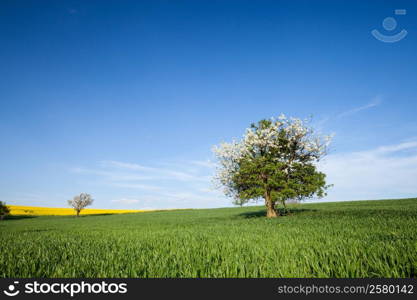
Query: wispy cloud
column 139, row 186
column 203, row 163
column 398, row 147
column 126, row 201
column 178, row 184
column 154, row 172
column 112, row 175
column 375, row 102
column 124, row 165
column 386, row 171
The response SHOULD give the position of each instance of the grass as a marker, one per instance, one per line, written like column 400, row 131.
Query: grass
column 348, row 239
column 53, row 211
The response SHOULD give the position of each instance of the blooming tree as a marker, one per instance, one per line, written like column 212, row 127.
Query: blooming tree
column 275, row 160
column 80, row 202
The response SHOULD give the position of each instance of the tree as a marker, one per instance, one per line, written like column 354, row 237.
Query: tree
column 80, row 202
column 239, row 202
column 4, row 210
column 275, row 160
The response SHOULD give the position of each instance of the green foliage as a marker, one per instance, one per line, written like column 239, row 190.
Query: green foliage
column 4, row 210
column 260, row 175
column 345, row 239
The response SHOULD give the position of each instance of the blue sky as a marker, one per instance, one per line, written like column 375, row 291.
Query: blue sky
column 124, row 99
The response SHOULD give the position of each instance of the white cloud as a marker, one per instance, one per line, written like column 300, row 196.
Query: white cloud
column 124, row 165
column 325, row 119
column 179, row 184
column 204, row 163
column 113, row 175
column 398, row 147
column 126, row 201
column 375, row 102
column 153, row 172
column 145, row 187
column 383, row 172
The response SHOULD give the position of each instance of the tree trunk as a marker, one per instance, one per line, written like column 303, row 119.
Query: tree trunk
column 270, row 209
column 1, row 217
column 285, row 207
column 78, row 213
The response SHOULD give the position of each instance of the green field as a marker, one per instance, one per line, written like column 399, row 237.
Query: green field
column 347, row 239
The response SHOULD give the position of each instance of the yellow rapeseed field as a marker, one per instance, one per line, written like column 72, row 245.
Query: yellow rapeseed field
column 53, row 211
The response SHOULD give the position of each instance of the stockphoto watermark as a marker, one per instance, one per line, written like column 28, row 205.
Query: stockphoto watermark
column 390, row 26
column 71, row 288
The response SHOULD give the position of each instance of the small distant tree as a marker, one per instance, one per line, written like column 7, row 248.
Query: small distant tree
column 239, row 202
column 80, row 202
column 275, row 161
column 4, row 210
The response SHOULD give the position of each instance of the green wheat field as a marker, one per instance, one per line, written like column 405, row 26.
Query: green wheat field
column 346, row 239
